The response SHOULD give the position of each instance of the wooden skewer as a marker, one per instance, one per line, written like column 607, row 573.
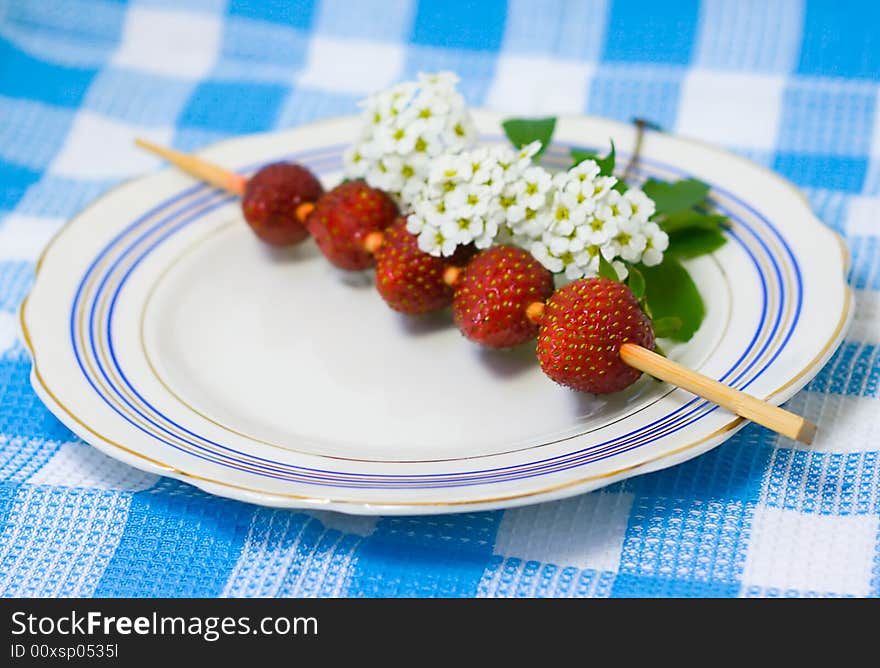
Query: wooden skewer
column 206, row 171
column 782, row 421
column 766, row 414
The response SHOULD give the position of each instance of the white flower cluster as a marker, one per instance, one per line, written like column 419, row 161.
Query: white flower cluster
column 587, row 217
column 407, row 127
column 418, row 144
column 470, row 196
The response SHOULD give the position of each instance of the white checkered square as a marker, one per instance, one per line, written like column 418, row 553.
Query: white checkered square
column 863, row 216
column 171, row 42
column 350, row 65
column 585, row 531
column 737, row 110
column 811, row 553
column 526, row 85
column 79, row 465
column 24, row 237
column 847, row 423
column 360, row 525
column 99, row 147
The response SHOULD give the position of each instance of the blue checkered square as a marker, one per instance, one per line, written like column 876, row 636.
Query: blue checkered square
column 659, row 37
column 256, row 107
column 840, row 41
column 823, row 171
column 474, row 25
column 296, row 13
column 23, row 76
column 16, row 181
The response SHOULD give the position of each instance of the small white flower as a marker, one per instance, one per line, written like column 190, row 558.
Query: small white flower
column 469, row 200
column 534, row 185
column 356, row 164
column 487, row 237
column 531, row 227
column 586, row 171
column 543, row 255
column 656, row 241
column 462, row 230
column 519, row 161
column 450, row 167
column 629, row 242
column 641, row 206
column 415, row 223
column 433, row 242
column 616, row 206
column 603, row 185
column 601, row 228
column 459, row 132
column 567, row 213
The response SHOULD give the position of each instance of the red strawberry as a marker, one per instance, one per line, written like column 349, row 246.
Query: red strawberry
column 271, row 198
column 582, row 328
column 344, row 217
column 410, row 280
column 493, row 293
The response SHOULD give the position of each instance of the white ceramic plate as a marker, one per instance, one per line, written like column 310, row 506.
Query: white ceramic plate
column 167, row 336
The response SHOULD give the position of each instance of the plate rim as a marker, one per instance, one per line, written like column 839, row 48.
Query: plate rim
column 558, row 490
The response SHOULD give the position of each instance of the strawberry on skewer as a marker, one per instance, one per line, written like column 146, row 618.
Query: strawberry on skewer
column 493, row 292
column 275, row 201
column 348, row 222
column 594, row 337
column 412, row 281
column 582, row 327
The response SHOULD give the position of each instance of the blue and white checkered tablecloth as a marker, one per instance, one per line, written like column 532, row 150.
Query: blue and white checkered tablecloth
column 792, row 84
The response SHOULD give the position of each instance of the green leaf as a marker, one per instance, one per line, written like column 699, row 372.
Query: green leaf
column 522, row 131
column 673, row 197
column 670, row 292
column 578, row 156
column 636, row 283
column 606, row 164
column 667, row 327
column 695, row 242
column 690, row 219
column 606, row 269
